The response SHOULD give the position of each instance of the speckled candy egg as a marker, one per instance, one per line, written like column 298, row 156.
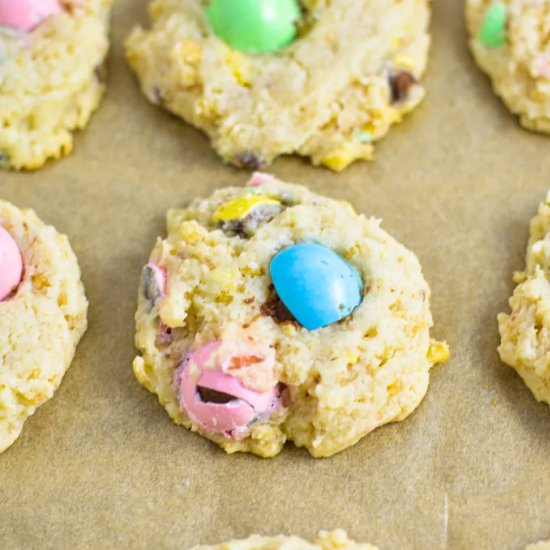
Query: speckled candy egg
column 254, row 26
column 214, row 399
column 24, row 15
column 243, row 215
column 11, row 265
column 315, row 284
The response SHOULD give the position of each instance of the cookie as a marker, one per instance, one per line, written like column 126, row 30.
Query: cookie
column 42, row 315
column 525, row 332
column 508, row 41
column 51, row 75
column 541, row 545
column 338, row 78
column 335, row 540
column 234, row 354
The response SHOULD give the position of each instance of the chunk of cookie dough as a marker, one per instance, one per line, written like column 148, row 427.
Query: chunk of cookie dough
column 509, row 41
column 335, row 540
column 42, row 315
column 233, row 355
column 51, row 75
column 353, row 70
column 525, row 332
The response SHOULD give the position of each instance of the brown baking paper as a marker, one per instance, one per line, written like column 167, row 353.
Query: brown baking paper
column 102, row 466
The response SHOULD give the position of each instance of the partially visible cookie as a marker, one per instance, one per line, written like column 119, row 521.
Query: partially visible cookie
column 51, row 75
column 42, row 315
column 272, row 313
column 352, row 71
column 509, row 40
column 525, row 332
column 541, row 545
column 335, row 540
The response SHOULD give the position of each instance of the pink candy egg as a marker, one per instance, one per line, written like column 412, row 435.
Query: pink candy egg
column 24, row 15
column 11, row 264
column 259, row 178
column 216, row 401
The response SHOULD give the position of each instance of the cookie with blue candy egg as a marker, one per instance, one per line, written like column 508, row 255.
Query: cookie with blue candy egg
column 270, row 313
column 264, row 78
column 508, row 39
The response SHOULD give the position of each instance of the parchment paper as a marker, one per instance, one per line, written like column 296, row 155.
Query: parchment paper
column 102, row 466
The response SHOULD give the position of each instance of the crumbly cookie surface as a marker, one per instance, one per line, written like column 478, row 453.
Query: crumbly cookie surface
column 51, row 81
column 525, row 332
column 520, row 68
column 41, row 324
column 338, row 382
column 335, row 540
column 353, row 71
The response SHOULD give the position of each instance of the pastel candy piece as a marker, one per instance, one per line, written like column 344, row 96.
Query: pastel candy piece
column 24, row 15
column 542, row 67
column 258, row 178
column 315, row 284
column 216, row 401
column 11, row 264
column 153, row 282
column 493, row 29
column 255, row 26
column 238, row 208
column 164, row 335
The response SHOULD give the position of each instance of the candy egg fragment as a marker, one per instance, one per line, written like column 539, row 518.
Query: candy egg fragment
column 24, row 15
column 315, row 284
column 493, row 29
column 153, row 283
column 243, row 215
column 255, row 26
column 216, row 401
column 11, row 264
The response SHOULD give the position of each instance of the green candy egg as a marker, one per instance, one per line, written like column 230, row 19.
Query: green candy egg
column 254, row 26
column 493, row 29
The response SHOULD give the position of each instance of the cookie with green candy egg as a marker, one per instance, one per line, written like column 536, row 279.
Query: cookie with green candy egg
column 264, row 78
column 508, row 41
column 270, row 313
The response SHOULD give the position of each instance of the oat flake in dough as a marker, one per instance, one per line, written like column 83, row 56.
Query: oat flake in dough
column 51, row 81
column 41, row 324
column 337, row 383
column 519, row 70
column 525, row 332
column 352, row 72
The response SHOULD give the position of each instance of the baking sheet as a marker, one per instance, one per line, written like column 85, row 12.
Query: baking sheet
column 101, row 465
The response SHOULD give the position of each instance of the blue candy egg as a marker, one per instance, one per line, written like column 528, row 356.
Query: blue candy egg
column 315, row 284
